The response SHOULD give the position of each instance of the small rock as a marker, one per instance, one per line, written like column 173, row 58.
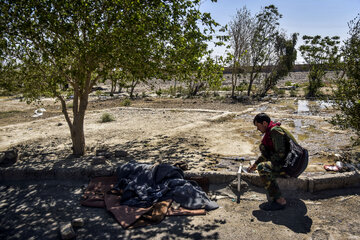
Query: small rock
column 77, row 222
column 67, row 231
column 59, row 124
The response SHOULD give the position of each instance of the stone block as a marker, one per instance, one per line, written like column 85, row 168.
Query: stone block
column 78, row 222
column 67, row 231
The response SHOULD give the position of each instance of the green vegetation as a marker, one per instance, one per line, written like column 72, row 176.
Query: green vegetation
column 126, row 102
column 322, row 54
column 347, row 93
column 9, row 113
column 288, row 83
column 107, row 117
column 158, row 92
column 46, row 45
column 65, row 48
column 293, row 93
column 98, row 93
column 277, row 91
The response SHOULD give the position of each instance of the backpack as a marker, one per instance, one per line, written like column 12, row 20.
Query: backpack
column 296, row 160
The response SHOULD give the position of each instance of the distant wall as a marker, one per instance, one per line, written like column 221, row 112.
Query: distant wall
column 297, row 68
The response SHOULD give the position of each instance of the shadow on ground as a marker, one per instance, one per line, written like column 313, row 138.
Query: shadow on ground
column 293, row 216
column 35, row 211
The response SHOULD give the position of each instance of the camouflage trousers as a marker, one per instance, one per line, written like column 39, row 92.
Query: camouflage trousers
column 268, row 174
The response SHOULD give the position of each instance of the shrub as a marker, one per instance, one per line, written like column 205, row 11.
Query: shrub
column 158, row 92
column 278, row 91
column 225, row 88
column 126, row 102
column 98, row 93
column 107, row 117
column 293, row 93
column 288, row 83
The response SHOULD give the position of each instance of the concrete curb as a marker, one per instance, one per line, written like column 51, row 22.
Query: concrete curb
column 303, row 183
column 312, row 184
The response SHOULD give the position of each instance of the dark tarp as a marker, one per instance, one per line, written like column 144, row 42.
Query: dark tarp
column 142, row 185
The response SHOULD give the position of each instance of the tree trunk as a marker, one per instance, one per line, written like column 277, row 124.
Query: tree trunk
column 113, row 86
column 233, row 80
column 175, row 87
column 77, row 125
column 77, row 129
column 250, row 83
column 77, row 135
column 132, row 88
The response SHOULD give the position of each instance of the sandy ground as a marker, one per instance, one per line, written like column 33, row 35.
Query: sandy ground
column 199, row 131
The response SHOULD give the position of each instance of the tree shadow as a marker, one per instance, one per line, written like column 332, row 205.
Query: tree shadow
column 34, row 210
column 293, row 216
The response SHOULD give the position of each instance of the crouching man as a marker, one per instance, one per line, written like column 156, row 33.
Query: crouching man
column 274, row 148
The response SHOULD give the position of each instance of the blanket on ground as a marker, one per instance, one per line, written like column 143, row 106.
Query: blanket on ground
column 99, row 194
column 142, row 185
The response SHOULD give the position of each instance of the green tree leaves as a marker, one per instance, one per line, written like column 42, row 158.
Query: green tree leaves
column 48, row 44
column 347, row 93
column 322, row 54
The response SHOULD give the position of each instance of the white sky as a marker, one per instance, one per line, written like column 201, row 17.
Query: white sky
column 306, row 17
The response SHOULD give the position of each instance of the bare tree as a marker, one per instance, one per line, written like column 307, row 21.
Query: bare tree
column 241, row 32
column 256, row 42
column 262, row 47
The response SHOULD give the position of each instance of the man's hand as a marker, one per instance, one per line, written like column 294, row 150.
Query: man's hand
column 252, row 168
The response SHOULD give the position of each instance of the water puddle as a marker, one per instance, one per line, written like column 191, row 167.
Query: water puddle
column 298, row 123
column 303, row 106
column 262, row 108
column 326, row 104
column 306, row 107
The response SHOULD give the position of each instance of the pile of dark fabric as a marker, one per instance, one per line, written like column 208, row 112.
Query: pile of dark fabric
column 143, row 185
column 147, row 191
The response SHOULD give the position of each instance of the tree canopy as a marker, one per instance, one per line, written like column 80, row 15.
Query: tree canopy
column 257, row 42
column 321, row 54
column 347, row 93
column 47, row 44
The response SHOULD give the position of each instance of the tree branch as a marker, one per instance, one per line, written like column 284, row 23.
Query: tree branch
column 64, row 111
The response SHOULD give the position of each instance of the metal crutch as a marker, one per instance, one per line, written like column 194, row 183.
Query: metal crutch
column 239, row 182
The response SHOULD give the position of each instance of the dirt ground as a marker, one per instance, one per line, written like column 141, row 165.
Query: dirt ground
column 34, row 210
column 200, row 131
